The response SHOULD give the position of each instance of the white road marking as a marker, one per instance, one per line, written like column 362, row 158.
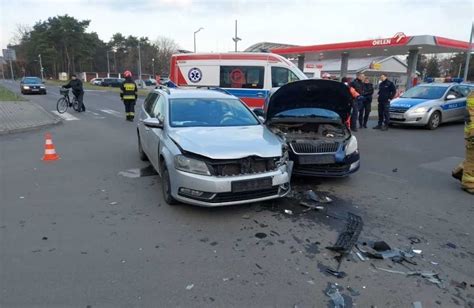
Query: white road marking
column 94, row 113
column 113, row 112
column 65, row 116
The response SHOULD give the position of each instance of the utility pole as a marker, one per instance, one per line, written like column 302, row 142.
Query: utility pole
column 201, row 28
column 236, row 39
column 108, row 64
column 139, row 64
column 153, row 67
column 41, row 67
column 468, row 56
column 115, row 62
column 11, row 70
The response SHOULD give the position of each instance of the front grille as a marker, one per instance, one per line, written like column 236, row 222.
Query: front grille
column 308, row 148
column 247, row 195
column 329, row 169
column 247, row 165
column 398, row 109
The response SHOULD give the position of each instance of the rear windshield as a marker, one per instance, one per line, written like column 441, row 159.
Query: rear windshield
column 425, row 92
column 32, row 80
column 193, row 112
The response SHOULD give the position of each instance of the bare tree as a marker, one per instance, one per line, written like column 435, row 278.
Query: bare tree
column 21, row 32
column 164, row 48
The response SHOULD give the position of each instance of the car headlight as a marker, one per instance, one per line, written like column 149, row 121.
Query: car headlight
column 26, row 87
column 190, row 165
column 42, row 87
column 352, row 146
column 420, row 110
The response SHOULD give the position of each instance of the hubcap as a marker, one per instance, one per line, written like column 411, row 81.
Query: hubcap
column 435, row 121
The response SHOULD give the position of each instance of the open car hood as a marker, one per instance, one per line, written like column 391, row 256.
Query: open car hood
column 311, row 93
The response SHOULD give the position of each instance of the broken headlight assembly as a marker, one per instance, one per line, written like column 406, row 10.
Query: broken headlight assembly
column 284, row 157
column 352, row 146
column 191, row 165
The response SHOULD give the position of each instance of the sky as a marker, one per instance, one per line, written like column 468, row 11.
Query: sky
column 299, row 22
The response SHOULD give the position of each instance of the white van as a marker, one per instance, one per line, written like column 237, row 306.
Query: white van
column 249, row 76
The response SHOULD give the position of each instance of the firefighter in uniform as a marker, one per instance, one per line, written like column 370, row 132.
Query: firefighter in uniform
column 465, row 171
column 128, row 95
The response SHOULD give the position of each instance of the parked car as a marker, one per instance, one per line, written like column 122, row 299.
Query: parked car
column 310, row 116
column 431, row 105
column 29, row 85
column 112, row 82
column 164, row 80
column 96, row 81
column 150, row 82
column 210, row 149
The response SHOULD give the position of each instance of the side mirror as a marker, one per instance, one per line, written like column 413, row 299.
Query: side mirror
column 450, row 97
column 153, row 123
column 259, row 112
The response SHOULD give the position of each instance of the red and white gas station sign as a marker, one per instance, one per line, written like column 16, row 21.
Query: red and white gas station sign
column 397, row 39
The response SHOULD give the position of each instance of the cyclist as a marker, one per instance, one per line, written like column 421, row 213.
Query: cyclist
column 128, row 95
column 76, row 85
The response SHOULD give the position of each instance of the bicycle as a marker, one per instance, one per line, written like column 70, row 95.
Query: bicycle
column 64, row 102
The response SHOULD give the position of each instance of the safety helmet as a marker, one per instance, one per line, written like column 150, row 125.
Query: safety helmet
column 127, row 74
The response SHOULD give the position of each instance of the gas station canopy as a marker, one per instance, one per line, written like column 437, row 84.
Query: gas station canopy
column 400, row 44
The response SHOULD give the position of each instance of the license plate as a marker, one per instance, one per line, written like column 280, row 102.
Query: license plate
column 251, row 185
column 35, row 90
column 316, row 159
column 396, row 116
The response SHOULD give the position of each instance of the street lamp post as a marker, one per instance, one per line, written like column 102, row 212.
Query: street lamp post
column 236, row 39
column 108, row 64
column 153, row 67
column 201, row 28
column 468, row 54
column 139, row 65
column 41, row 67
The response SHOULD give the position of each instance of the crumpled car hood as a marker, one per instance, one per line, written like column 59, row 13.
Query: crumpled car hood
column 227, row 142
column 311, row 93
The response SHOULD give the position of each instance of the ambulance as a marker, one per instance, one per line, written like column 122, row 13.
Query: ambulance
column 249, row 76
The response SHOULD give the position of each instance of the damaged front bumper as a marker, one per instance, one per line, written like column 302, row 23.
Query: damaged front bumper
column 349, row 165
column 214, row 191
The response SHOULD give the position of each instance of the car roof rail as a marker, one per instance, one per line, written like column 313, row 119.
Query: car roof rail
column 215, row 89
column 164, row 88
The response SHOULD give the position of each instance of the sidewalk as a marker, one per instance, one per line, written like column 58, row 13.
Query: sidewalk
column 19, row 116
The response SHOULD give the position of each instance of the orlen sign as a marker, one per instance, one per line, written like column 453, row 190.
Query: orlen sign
column 398, row 38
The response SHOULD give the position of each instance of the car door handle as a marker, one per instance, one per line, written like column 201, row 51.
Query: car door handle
column 260, row 94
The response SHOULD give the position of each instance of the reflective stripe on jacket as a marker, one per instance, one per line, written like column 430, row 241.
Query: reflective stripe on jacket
column 129, row 90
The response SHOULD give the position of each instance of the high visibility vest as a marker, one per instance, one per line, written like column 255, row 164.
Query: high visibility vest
column 129, row 91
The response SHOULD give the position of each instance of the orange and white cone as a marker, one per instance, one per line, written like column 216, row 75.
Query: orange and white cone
column 49, row 150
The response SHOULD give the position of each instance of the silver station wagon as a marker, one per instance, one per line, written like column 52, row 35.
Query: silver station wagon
column 210, row 149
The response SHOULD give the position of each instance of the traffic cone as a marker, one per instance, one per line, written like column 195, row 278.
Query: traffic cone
column 49, row 150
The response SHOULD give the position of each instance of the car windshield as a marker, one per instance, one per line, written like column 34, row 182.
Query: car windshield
column 193, row 112
column 32, row 80
column 308, row 112
column 425, row 92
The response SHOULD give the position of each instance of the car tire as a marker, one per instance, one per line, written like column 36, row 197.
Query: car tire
column 434, row 121
column 142, row 154
column 166, row 186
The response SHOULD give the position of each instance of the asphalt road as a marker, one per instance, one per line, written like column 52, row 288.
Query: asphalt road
column 77, row 233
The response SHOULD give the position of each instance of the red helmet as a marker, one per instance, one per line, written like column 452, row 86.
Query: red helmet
column 127, row 74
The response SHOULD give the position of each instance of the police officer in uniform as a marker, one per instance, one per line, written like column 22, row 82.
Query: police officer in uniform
column 128, row 95
column 465, row 171
column 387, row 92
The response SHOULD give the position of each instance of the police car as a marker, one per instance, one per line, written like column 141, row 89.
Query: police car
column 431, row 104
